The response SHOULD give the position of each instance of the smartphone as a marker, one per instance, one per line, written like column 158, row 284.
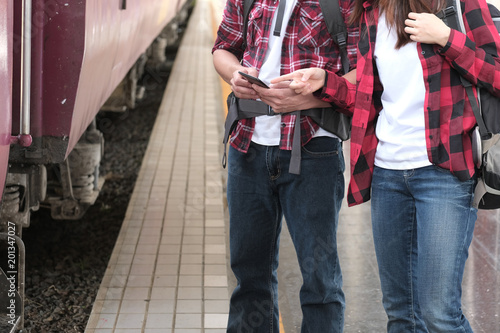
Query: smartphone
column 253, row 79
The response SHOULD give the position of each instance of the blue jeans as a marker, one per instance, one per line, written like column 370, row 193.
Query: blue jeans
column 260, row 191
column 423, row 221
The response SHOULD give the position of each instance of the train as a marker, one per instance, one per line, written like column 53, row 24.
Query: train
column 61, row 63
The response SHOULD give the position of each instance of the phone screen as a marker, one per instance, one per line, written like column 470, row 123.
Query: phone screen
column 253, row 79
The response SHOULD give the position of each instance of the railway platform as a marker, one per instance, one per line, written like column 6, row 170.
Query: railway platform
column 168, row 271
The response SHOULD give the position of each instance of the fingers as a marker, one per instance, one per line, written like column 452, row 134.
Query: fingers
column 300, row 87
column 307, row 75
column 297, row 85
column 413, row 26
column 259, row 90
column 413, row 16
column 283, row 78
column 427, row 28
column 248, row 70
column 241, row 87
column 245, row 93
column 300, row 81
column 411, row 31
column 282, row 85
column 411, row 21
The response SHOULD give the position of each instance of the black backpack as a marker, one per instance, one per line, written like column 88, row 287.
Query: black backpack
column 486, row 135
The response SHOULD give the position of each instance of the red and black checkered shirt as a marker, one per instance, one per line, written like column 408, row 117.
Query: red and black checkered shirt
column 306, row 43
column 449, row 118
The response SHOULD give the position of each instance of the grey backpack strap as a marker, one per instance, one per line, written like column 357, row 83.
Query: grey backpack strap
column 336, row 27
column 296, row 155
column 240, row 109
column 247, row 4
column 230, row 123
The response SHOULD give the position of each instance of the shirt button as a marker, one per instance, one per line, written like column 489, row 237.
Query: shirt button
column 283, row 125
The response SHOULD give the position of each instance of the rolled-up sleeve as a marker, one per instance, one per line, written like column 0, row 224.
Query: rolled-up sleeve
column 230, row 32
column 338, row 91
column 475, row 55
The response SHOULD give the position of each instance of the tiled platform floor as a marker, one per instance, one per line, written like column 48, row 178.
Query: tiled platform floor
column 168, row 269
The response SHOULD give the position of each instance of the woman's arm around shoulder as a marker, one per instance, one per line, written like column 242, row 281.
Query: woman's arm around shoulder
column 326, row 85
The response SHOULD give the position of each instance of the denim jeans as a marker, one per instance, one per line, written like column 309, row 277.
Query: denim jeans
column 260, row 191
column 423, row 221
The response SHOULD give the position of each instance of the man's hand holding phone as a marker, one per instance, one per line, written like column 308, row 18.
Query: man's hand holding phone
column 254, row 80
column 241, row 87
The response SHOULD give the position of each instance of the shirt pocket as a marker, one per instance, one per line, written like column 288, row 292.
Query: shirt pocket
column 312, row 30
column 255, row 28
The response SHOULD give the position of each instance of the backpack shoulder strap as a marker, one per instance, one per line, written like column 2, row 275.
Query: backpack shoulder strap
column 247, row 4
column 336, row 27
column 452, row 15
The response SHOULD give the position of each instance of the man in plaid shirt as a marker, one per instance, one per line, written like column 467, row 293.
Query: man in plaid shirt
column 260, row 188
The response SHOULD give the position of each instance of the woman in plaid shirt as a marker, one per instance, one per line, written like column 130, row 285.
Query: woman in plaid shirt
column 411, row 148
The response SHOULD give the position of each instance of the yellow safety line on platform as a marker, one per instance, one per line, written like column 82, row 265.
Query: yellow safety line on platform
column 282, row 328
column 226, row 90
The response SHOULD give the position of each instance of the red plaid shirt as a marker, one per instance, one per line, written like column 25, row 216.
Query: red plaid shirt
column 448, row 114
column 307, row 43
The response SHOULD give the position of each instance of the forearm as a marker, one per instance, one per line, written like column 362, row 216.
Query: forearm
column 302, row 102
column 226, row 64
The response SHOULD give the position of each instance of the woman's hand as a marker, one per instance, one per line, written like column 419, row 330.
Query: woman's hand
column 284, row 99
column 304, row 81
column 427, row 28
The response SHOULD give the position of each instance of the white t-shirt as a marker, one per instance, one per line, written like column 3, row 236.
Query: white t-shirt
column 401, row 123
column 267, row 129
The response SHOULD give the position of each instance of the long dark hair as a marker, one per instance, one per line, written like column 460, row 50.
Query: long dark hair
column 396, row 12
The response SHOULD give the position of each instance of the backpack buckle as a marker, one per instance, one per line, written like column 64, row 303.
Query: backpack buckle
column 447, row 12
column 341, row 40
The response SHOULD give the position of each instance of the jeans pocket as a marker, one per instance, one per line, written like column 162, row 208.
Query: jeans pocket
column 458, row 187
column 441, row 170
column 322, row 146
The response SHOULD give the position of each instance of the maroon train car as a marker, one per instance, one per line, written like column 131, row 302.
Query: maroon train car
column 61, row 60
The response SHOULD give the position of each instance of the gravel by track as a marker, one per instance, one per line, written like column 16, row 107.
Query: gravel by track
column 66, row 260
